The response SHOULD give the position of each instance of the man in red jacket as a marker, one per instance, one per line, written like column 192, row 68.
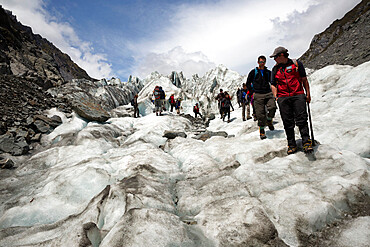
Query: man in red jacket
column 287, row 82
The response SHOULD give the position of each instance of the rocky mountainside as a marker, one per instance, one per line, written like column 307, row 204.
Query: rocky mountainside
column 36, row 76
column 345, row 41
column 23, row 53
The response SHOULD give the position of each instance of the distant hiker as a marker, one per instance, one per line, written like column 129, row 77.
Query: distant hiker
column 163, row 98
column 225, row 107
column 247, row 100
column 136, row 106
column 178, row 105
column 172, row 101
column 157, row 100
column 219, row 97
column 288, row 80
column 258, row 82
column 196, row 110
column 239, row 96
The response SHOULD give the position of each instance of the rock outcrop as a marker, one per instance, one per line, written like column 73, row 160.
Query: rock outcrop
column 23, row 53
column 345, row 41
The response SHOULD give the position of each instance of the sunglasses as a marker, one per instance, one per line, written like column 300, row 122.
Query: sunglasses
column 261, row 61
column 276, row 56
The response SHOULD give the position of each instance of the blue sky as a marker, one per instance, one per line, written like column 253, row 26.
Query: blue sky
column 122, row 38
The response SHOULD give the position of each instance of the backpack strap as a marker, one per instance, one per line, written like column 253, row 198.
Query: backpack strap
column 295, row 63
column 255, row 74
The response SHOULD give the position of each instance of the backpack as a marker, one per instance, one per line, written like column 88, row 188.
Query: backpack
column 133, row 102
column 244, row 94
column 157, row 93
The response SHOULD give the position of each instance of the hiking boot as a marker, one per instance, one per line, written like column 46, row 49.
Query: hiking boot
column 262, row 134
column 292, row 149
column 270, row 125
column 243, row 119
column 249, row 117
column 254, row 117
column 307, row 147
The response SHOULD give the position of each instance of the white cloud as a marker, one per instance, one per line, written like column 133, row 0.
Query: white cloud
column 176, row 59
column 235, row 33
column 297, row 31
column 62, row 35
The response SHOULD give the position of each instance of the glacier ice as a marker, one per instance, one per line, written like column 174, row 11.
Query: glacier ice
column 123, row 184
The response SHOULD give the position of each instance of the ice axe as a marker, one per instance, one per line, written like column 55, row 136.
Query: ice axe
column 309, row 118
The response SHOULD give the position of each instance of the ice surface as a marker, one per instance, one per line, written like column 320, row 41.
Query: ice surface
column 123, row 183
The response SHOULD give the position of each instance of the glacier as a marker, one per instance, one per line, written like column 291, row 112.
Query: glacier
column 122, row 183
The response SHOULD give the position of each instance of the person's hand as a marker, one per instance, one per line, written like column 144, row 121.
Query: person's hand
column 308, row 98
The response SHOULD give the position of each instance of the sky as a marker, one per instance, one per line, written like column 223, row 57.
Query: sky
column 121, row 38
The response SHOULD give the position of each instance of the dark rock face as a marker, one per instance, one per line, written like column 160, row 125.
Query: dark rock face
column 24, row 53
column 93, row 100
column 345, row 41
column 20, row 98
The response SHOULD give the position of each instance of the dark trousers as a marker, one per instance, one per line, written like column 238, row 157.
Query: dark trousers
column 172, row 106
column 263, row 101
column 197, row 113
column 293, row 112
column 136, row 112
column 225, row 111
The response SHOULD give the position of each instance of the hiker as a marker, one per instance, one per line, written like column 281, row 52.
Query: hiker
column 196, row 111
column 136, row 106
column 247, row 100
column 172, row 101
column 157, row 101
column 163, row 98
column 288, row 81
column 239, row 96
column 219, row 97
column 258, row 83
column 225, row 107
column 178, row 105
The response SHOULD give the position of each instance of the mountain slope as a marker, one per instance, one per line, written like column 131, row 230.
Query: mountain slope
column 345, row 41
column 28, row 54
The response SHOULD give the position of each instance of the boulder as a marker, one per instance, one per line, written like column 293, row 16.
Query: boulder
column 9, row 144
column 6, row 163
column 41, row 126
column 174, row 134
column 90, row 110
column 208, row 134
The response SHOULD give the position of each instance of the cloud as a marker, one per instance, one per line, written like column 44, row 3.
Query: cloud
column 33, row 13
column 177, row 59
column 235, row 33
column 297, row 31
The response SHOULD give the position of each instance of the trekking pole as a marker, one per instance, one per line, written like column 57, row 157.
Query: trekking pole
column 309, row 117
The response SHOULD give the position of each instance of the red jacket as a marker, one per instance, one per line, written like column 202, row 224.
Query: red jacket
column 287, row 81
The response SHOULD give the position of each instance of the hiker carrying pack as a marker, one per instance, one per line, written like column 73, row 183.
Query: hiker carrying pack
column 196, row 110
column 225, row 107
column 258, row 82
column 172, row 101
column 157, row 100
column 219, row 97
column 288, row 80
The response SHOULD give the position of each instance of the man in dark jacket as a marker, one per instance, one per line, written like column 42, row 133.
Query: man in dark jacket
column 136, row 106
column 288, row 80
column 258, row 82
column 219, row 97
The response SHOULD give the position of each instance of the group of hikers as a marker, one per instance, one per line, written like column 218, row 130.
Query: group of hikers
column 285, row 84
column 160, row 101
